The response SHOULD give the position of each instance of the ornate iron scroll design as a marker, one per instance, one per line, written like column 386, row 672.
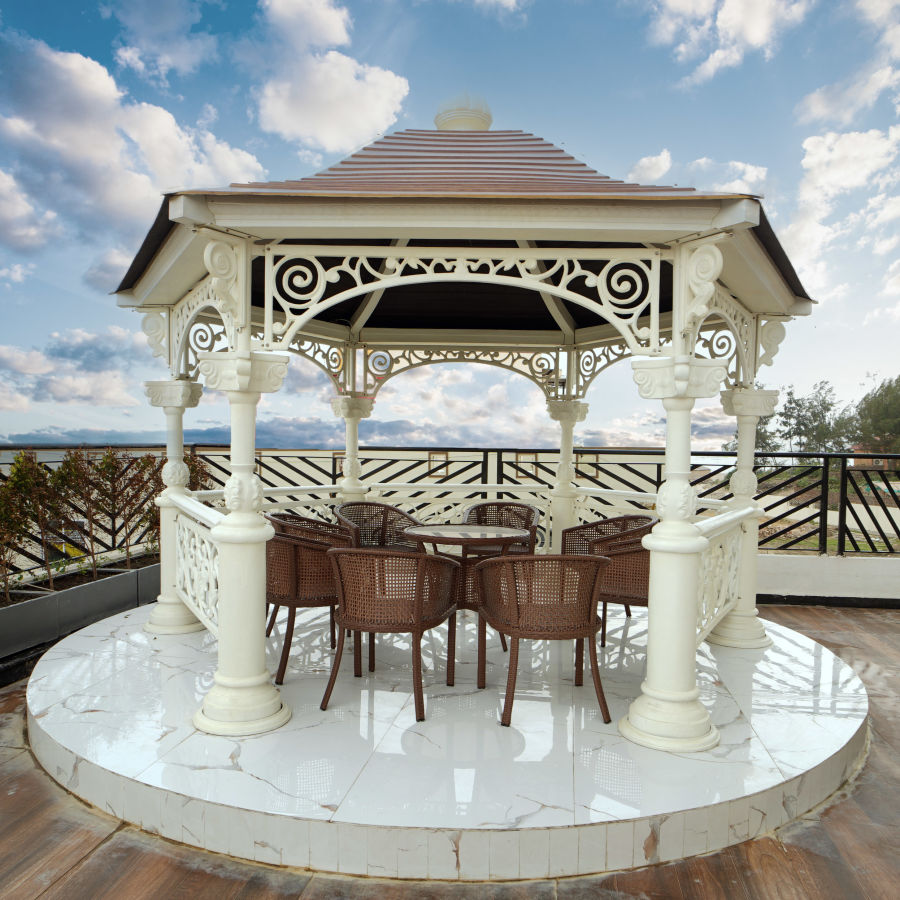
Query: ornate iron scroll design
column 625, row 288
column 728, row 332
column 544, row 367
column 719, row 574
column 590, row 362
column 186, row 339
column 328, row 357
column 197, row 571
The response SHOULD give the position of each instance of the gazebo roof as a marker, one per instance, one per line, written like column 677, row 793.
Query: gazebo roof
column 419, row 163
column 435, row 187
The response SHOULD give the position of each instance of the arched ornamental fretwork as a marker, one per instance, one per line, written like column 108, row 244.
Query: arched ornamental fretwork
column 620, row 286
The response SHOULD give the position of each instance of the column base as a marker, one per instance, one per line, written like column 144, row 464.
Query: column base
column 242, row 706
column 677, row 724
column 740, row 630
column 202, row 722
column 172, row 617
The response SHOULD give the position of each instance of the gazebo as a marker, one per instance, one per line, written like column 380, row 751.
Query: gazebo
column 464, row 244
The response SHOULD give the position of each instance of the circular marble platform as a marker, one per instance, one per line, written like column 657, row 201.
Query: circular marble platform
column 363, row 788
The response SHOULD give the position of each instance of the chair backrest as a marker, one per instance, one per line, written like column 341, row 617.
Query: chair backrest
column 302, row 526
column 505, row 513
column 386, row 590
column 375, row 524
column 297, row 566
column 619, row 530
column 551, row 596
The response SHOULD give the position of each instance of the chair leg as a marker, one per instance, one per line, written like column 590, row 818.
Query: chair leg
column 286, row 649
column 595, row 674
column 628, row 610
column 451, row 649
column 502, row 641
column 331, row 625
column 510, row 681
column 482, row 648
column 357, row 654
column 334, row 670
column 603, row 625
column 417, row 676
column 271, row 624
column 371, row 651
column 579, row 662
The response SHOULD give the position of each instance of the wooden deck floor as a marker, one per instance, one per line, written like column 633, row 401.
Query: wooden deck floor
column 54, row 846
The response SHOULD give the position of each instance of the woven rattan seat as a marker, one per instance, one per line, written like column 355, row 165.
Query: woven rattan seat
column 551, row 597
column 299, row 574
column 390, row 592
column 627, row 580
column 506, row 514
column 377, row 525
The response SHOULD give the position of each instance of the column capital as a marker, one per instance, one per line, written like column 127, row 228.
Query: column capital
column 352, row 407
column 569, row 411
column 678, row 376
column 749, row 402
column 176, row 393
column 258, row 373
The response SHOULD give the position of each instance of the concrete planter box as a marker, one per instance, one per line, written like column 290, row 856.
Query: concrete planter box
column 51, row 616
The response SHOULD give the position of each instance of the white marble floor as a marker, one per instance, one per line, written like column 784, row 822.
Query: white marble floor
column 365, row 788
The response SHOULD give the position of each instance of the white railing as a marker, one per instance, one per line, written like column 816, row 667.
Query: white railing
column 720, row 567
column 197, row 558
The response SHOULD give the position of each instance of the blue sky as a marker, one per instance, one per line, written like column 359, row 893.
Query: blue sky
column 103, row 106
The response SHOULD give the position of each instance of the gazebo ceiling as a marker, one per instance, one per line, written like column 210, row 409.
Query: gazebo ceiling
column 462, row 189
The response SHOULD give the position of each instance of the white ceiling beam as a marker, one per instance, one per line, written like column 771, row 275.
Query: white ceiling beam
column 554, row 305
column 367, row 307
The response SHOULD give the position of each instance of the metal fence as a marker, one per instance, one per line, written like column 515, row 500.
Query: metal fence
column 817, row 503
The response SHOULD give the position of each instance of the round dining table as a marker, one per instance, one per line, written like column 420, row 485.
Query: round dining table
column 476, row 542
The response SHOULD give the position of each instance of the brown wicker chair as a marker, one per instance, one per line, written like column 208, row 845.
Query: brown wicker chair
column 377, row 525
column 299, row 574
column 291, row 523
column 387, row 592
column 627, row 580
column 550, row 597
column 507, row 514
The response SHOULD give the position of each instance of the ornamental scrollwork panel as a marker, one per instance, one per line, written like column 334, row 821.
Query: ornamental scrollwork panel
column 210, row 336
column 197, row 571
column 728, row 333
column 543, row 367
column 328, row 357
column 594, row 360
column 620, row 286
column 719, row 579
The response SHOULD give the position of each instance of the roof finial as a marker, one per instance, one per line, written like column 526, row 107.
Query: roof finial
column 465, row 112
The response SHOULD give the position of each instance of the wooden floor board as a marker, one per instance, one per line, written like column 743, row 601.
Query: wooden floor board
column 55, row 847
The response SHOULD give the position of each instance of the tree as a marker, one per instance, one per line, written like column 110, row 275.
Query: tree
column 12, row 532
column 879, row 418
column 83, row 509
column 41, row 494
column 814, row 423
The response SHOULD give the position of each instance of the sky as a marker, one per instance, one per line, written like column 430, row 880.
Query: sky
column 106, row 105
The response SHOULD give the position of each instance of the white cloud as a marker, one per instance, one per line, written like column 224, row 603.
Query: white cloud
column 108, row 158
column 21, row 225
column 891, row 285
column 836, row 164
column 107, row 270
column 842, row 102
column 95, row 389
column 649, row 169
column 16, row 273
column 317, row 96
column 11, row 400
column 331, row 101
column 159, row 37
column 24, row 362
column 722, row 31
column 744, row 178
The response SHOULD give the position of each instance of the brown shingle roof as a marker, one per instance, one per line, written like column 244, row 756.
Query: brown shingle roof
column 458, row 164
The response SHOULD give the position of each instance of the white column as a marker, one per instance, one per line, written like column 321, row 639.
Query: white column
column 741, row 627
column 170, row 615
column 243, row 699
column 352, row 409
column 668, row 714
column 563, row 492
